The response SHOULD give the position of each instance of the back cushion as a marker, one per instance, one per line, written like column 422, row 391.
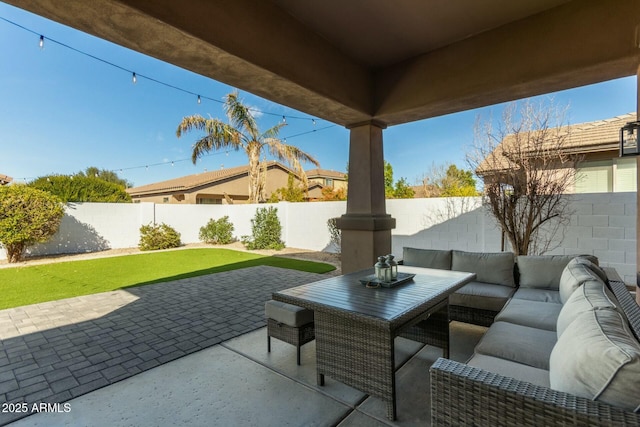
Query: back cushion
column 574, row 275
column 597, row 357
column 429, row 258
column 494, row 268
column 542, row 271
column 592, row 295
column 593, row 267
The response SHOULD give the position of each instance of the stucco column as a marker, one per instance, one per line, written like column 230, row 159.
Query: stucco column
column 638, row 198
column 366, row 227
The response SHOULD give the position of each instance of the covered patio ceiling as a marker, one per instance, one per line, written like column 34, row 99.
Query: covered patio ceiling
column 360, row 60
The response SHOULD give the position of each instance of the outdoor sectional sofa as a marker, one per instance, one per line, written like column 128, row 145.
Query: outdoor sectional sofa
column 563, row 349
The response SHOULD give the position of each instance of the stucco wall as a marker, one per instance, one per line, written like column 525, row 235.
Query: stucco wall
column 602, row 224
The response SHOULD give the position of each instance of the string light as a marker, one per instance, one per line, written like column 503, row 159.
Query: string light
column 216, row 153
column 135, row 76
column 134, row 79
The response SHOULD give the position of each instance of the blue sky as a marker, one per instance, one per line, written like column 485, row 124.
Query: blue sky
column 61, row 112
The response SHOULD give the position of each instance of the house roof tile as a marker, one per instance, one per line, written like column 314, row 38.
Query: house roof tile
column 601, row 135
column 185, row 183
column 5, row 179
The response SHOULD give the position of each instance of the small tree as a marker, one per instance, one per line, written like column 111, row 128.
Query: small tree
column 401, row 189
column 527, row 168
column 291, row 193
column 27, row 216
column 449, row 181
column 217, row 232
column 333, row 194
column 265, row 229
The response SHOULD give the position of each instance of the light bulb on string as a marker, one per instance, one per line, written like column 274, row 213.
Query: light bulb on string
column 313, row 121
column 134, row 79
column 41, row 43
column 284, row 120
column 199, row 100
column 171, row 163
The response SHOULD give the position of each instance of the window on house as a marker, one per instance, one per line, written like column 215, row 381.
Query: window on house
column 606, row 176
column 165, row 200
column 208, row 201
column 624, row 175
column 328, row 182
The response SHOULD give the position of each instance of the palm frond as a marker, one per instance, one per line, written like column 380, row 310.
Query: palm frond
column 272, row 132
column 288, row 153
column 240, row 116
column 219, row 135
column 189, row 123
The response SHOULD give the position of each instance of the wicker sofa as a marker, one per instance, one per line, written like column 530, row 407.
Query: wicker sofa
column 567, row 355
column 500, row 276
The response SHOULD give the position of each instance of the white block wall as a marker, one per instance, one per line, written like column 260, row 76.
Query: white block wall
column 602, row 224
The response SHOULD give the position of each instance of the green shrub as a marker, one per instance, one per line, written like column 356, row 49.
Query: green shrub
column 154, row 237
column 217, row 232
column 27, row 216
column 266, row 230
column 82, row 189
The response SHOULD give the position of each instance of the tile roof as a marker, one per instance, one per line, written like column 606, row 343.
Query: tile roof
column 5, row 179
column 324, row 173
column 601, row 135
column 185, row 183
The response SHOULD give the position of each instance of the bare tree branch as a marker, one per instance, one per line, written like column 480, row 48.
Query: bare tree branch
column 528, row 168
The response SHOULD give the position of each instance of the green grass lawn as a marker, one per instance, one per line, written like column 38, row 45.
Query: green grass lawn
column 29, row 285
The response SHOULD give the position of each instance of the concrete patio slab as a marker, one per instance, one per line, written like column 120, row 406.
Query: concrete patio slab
column 282, row 359
column 214, row 387
column 226, row 385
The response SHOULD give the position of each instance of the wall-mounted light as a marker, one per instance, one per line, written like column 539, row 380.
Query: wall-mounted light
column 629, row 139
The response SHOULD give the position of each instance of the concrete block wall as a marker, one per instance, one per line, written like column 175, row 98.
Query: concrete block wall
column 601, row 224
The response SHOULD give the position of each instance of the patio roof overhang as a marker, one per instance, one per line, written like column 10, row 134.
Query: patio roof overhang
column 394, row 62
column 369, row 64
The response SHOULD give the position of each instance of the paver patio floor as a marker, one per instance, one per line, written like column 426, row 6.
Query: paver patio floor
column 55, row 351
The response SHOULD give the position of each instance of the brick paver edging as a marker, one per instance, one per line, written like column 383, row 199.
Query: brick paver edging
column 162, row 323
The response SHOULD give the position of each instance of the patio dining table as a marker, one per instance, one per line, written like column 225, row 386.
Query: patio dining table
column 356, row 325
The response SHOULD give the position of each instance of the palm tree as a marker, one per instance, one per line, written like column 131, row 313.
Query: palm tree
column 242, row 133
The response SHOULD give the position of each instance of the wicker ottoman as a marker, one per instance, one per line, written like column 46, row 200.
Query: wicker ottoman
column 289, row 323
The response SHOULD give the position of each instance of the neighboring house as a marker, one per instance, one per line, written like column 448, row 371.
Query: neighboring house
column 5, row 179
column 601, row 169
column 222, row 186
column 327, row 178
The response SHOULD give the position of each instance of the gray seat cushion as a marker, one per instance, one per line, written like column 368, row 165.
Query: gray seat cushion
column 288, row 314
column 597, row 357
column 521, row 344
column 541, row 271
column 592, row 295
column 429, row 258
column 542, row 295
column 494, row 268
column 511, row 369
column 485, row 296
column 536, row 314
